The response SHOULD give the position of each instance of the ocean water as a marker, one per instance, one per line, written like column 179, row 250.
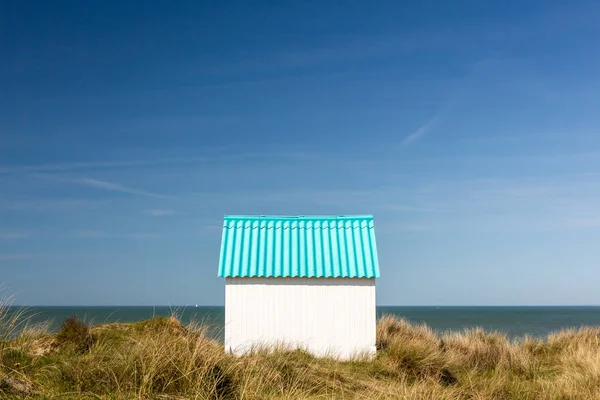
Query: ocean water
column 515, row 321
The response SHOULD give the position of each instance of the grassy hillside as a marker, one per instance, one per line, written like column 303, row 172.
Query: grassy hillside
column 162, row 359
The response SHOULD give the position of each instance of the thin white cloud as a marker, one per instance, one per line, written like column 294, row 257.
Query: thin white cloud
column 351, row 49
column 95, row 234
column 583, row 223
column 83, row 234
column 430, row 123
column 88, row 234
column 105, row 185
column 409, row 209
column 423, row 129
column 27, row 256
column 158, row 212
column 417, row 228
column 13, row 235
column 50, row 204
column 137, row 235
column 217, row 155
column 115, row 187
column 72, row 166
column 68, row 166
column 442, row 112
column 15, row 256
column 211, row 228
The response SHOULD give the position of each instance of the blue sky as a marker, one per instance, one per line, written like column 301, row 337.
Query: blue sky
column 469, row 129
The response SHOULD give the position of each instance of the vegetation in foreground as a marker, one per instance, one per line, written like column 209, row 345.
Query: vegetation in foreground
column 162, row 359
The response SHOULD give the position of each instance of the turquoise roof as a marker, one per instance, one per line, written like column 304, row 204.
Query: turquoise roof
column 303, row 247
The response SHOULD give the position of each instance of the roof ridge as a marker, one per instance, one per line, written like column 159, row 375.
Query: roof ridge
column 296, row 217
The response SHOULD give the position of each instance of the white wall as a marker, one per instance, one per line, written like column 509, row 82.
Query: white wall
column 333, row 316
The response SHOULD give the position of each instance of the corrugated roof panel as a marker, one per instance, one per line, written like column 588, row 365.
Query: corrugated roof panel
column 312, row 246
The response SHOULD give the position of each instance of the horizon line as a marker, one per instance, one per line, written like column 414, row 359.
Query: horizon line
column 382, row 305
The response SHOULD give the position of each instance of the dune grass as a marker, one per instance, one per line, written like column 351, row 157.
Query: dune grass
column 162, row 359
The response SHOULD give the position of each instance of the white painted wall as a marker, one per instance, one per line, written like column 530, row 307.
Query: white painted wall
column 327, row 316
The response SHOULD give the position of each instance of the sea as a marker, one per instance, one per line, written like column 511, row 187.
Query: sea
column 515, row 321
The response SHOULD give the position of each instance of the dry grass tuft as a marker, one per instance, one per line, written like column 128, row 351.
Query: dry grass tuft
column 476, row 349
column 413, row 350
column 76, row 333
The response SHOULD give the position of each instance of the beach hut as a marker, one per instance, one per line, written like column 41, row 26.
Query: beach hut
column 302, row 281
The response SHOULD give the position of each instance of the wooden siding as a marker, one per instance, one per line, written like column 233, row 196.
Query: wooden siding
column 334, row 316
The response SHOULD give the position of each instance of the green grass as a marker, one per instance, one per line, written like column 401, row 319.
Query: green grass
column 162, row 359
